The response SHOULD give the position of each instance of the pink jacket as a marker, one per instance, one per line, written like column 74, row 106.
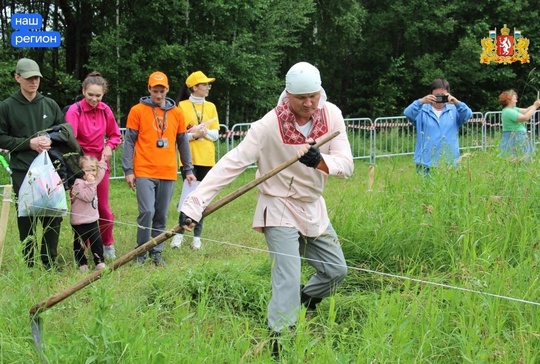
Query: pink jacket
column 94, row 128
column 84, row 203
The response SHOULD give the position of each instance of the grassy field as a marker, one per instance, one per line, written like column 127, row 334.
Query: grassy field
column 441, row 270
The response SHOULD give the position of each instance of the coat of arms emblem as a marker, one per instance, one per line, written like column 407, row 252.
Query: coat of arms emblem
column 505, row 48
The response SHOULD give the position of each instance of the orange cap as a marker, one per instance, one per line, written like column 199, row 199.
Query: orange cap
column 158, row 79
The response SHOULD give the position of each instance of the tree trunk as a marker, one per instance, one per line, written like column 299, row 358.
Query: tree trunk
column 78, row 35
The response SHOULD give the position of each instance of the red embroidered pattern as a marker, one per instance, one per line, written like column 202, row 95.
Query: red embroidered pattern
column 287, row 121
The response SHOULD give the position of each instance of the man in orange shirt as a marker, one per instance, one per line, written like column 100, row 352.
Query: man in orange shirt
column 153, row 128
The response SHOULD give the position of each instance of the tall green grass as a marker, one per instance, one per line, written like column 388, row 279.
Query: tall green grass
column 441, row 270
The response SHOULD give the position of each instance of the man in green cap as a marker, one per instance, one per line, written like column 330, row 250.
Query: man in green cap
column 24, row 116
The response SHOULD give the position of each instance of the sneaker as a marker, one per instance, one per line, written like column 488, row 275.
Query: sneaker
column 83, row 268
column 100, row 266
column 307, row 301
column 140, row 259
column 109, row 252
column 196, row 244
column 177, row 241
column 274, row 345
column 275, row 348
column 158, row 260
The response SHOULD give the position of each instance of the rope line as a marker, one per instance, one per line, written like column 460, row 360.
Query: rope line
column 396, row 276
column 365, row 270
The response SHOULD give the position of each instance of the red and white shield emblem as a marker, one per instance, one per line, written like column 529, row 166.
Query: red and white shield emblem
column 505, row 45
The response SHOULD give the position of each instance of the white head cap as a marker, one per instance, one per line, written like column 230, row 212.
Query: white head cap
column 303, row 78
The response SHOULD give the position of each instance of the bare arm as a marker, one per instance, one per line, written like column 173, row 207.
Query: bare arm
column 526, row 114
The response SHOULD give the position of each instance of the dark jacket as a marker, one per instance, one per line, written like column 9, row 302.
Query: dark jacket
column 22, row 120
column 65, row 152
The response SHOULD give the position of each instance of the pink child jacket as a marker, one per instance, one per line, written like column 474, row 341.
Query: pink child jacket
column 84, row 203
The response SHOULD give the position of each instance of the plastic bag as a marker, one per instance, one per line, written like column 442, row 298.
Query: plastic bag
column 186, row 189
column 42, row 192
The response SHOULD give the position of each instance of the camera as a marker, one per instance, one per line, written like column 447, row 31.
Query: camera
column 441, row 99
column 162, row 143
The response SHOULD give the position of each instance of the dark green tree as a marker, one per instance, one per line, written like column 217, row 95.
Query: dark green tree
column 240, row 43
column 375, row 57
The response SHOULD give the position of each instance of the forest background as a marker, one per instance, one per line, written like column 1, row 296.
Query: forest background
column 375, row 57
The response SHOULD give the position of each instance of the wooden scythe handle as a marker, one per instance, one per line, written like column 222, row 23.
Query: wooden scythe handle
column 95, row 275
column 239, row 192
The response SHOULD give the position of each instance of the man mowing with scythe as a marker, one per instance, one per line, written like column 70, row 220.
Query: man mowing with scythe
column 291, row 211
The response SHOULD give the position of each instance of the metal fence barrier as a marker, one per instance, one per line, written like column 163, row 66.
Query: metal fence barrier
column 392, row 136
column 471, row 133
column 360, row 134
column 383, row 137
column 492, row 128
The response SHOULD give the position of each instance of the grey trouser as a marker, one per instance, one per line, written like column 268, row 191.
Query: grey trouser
column 153, row 199
column 286, row 246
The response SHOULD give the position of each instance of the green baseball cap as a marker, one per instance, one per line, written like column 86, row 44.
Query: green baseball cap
column 27, row 68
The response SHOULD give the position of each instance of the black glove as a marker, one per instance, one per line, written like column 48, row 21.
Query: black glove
column 312, row 158
column 184, row 220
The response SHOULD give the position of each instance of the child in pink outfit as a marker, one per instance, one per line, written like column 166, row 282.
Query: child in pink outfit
column 84, row 212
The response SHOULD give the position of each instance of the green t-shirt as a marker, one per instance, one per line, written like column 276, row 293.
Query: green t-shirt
column 509, row 120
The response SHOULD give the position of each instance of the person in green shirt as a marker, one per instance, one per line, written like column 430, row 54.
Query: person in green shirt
column 515, row 143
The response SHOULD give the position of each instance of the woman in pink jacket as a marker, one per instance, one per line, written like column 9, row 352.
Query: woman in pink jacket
column 98, row 134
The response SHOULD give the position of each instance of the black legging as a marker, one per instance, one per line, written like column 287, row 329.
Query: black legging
column 82, row 234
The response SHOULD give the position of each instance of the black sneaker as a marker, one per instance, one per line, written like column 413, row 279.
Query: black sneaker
column 158, row 260
column 274, row 345
column 309, row 302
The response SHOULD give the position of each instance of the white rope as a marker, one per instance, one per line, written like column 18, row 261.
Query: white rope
column 371, row 271
column 365, row 270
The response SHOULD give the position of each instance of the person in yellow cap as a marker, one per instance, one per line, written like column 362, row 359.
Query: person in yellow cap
column 203, row 130
column 291, row 211
column 155, row 130
column 24, row 116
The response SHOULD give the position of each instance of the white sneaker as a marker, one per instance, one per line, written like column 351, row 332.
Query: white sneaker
column 177, row 241
column 196, row 244
column 109, row 253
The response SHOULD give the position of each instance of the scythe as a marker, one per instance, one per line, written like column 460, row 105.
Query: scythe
column 36, row 322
